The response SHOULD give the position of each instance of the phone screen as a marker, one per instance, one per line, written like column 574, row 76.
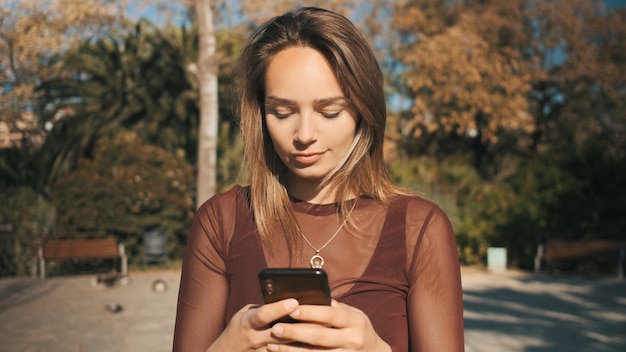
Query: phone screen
column 308, row 286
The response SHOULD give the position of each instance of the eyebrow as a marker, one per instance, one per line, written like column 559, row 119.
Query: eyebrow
column 273, row 100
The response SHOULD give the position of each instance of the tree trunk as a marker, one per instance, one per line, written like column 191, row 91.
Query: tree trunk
column 206, row 72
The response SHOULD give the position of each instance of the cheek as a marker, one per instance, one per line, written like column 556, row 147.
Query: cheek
column 346, row 133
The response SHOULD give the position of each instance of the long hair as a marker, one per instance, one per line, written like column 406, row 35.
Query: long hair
column 362, row 171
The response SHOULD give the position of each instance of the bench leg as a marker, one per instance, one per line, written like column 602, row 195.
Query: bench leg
column 124, row 259
column 42, row 269
column 620, row 265
column 34, row 266
column 42, row 263
column 538, row 258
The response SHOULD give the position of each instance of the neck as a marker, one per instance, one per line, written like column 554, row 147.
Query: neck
column 311, row 191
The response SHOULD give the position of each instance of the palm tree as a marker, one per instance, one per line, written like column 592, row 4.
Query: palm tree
column 134, row 81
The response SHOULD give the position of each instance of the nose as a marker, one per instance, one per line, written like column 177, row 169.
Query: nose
column 306, row 131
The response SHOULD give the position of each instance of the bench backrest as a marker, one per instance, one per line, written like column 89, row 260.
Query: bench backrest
column 81, row 248
column 563, row 249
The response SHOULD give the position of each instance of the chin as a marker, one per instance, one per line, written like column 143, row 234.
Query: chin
column 310, row 176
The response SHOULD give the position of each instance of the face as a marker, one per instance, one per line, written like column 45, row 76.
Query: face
column 307, row 116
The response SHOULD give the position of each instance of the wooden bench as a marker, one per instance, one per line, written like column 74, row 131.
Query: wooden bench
column 100, row 248
column 571, row 250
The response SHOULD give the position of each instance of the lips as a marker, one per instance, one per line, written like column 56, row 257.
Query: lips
column 307, row 158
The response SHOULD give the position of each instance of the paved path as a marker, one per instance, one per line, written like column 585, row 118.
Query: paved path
column 67, row 314
column 532, row 313
column 503, row 312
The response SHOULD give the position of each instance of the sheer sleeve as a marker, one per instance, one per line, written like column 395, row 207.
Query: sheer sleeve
column 435, row 301
column 203, row 293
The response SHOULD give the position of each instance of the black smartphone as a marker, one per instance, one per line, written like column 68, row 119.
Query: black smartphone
column 308, row 286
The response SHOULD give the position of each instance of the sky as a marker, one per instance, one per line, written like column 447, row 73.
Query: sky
column 158, row 17
column 610, row 4
column 155, row 15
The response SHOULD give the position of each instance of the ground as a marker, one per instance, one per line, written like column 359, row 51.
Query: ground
column 509, row 311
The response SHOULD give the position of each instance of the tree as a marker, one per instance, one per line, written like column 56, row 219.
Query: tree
column 32, row 33
column 534, row 91
column 492, row 75
column 132, row 80
column 206, row 70
column 127, row 188
column 466, row 79
column 580, row 94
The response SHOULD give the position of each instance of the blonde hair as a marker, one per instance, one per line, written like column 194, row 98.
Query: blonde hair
column 362, row 171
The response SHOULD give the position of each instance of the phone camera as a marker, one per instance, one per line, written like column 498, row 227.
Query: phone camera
column 270, row 286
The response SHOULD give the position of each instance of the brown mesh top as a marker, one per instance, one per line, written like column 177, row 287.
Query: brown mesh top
column 400, row 267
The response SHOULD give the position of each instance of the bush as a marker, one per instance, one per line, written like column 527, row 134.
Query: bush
column 126, row 189
column 471, row 203
column 25, row 216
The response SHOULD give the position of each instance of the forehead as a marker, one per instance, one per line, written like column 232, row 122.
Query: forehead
column 301, row 74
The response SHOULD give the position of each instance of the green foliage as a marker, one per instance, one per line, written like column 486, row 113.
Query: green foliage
column 534, row 98
column 469, row 201
column 135, row 80
column 565, row 195
column 229, row 157
column 230, row 43
column 27, row 215
column 517, row 212
column 126, row 189
column 27, row 211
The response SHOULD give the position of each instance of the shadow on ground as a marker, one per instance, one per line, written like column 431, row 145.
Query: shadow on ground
column 531, row 313
column 508, row 312
column 18, row 292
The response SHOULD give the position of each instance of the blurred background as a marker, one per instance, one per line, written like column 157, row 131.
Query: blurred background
column 509, row 114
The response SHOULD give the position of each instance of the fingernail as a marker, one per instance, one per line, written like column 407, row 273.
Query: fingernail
column 291, row 304
column 272, row 347
column 277, row 330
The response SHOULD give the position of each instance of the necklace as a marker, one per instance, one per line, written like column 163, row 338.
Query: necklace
column 317, row 261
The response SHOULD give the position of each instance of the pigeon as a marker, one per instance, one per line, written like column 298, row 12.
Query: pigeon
column 114, row 308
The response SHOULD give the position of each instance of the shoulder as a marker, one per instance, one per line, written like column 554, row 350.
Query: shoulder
column 215, row 219
column 416, row 205
column 428, row 231
column 235, row 194
column 222, row 207
column 422, row 215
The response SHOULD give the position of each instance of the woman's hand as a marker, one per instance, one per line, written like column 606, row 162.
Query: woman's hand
column 249, row 329
column 339, row 327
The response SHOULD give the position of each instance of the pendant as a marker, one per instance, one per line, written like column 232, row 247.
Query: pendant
column 317, row 262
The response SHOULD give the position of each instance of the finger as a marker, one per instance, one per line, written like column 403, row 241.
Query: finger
column 264, row 315
column 307, row 334
column 338, row 304
column 337, row 316
column 250, row 329
column 292, row 347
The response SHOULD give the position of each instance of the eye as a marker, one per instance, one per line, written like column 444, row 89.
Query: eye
column 280, row 112
column 330, row 115
column 331, row 108
column 280, row 115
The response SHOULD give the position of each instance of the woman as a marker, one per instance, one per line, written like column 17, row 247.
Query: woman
column 312, row 117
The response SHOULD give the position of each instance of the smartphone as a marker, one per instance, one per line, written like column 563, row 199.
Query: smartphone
column 308, row 286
